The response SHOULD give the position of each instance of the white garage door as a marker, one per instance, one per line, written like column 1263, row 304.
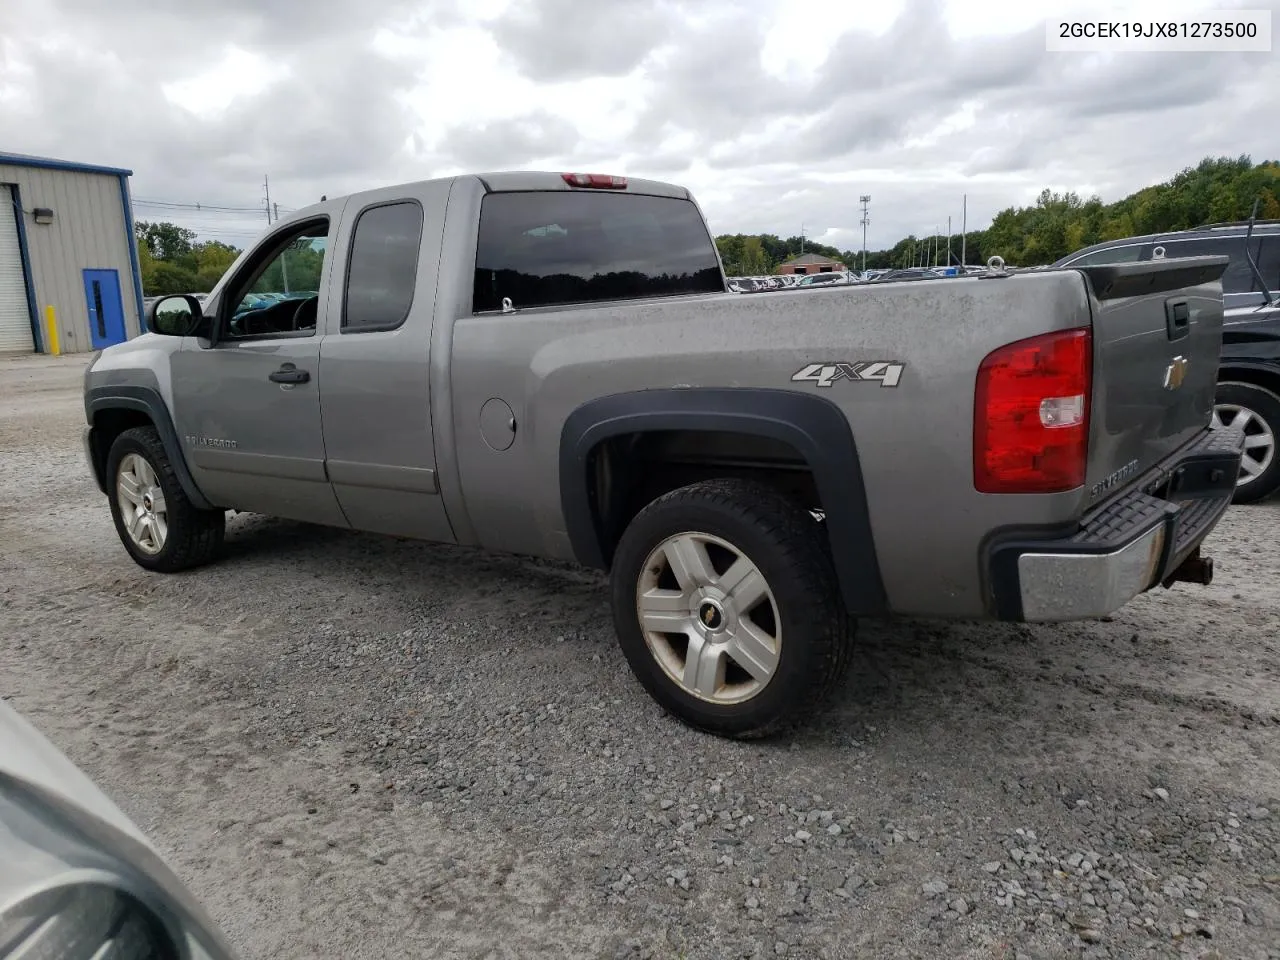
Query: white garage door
column 15, row 311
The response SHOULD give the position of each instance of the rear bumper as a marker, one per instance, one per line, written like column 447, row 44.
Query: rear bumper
column 1121, row 548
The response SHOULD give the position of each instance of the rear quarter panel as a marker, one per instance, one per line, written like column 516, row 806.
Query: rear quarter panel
column 914, row 441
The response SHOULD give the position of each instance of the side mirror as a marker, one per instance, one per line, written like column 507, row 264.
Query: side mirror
column 175, row 316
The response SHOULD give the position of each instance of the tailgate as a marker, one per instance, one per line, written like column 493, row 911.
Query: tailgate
column 1157, row 334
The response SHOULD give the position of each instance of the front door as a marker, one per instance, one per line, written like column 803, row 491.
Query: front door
column 106, row 309
column 247, row 406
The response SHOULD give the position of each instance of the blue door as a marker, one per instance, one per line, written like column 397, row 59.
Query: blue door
column 106, row 310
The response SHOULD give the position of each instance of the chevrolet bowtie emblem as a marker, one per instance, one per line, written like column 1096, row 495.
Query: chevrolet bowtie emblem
column 1175, row 373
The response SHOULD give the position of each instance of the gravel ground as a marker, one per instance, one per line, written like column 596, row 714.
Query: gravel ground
column 353, row 746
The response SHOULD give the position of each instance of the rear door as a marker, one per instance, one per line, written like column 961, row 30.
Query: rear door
column 375, row 363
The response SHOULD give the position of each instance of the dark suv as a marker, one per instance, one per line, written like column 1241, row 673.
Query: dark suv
column 1249, row 375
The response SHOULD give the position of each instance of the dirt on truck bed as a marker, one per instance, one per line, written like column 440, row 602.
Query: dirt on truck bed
column 358, row 747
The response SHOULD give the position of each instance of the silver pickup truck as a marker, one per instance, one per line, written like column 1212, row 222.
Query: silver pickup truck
column 549, row 364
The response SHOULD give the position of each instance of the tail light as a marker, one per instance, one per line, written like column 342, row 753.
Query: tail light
column 1031, row 415
column 597, row 181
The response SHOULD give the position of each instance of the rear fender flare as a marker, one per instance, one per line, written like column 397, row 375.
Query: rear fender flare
column 146, row 400
column 813, row 425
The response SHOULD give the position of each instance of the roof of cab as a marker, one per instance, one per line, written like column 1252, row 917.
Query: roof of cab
column 523, row 180
column 512, row 181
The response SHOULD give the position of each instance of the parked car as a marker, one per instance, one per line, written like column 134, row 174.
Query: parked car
column 820, row 279
column 594, row 393
column 907, row 273
column 79, row 880
column 1248, row 392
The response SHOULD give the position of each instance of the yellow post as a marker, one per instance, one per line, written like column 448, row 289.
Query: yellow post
column 51, row 326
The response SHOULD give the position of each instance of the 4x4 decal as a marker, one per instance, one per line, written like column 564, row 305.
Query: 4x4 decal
column 887, row 373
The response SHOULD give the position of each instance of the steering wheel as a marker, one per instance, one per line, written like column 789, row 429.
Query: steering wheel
column 313, row 303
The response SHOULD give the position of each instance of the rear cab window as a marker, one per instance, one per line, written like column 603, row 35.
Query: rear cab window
column 555, row 248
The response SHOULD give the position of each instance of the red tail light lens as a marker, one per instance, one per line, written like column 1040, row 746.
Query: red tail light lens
column 597, row 181
column 1031, row 415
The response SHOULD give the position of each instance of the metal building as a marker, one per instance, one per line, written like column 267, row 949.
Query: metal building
column 69, row 278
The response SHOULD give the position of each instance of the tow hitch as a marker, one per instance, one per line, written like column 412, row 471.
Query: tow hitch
column 1194, row 569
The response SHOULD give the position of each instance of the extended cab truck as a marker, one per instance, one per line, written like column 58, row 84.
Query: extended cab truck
column 550, row 365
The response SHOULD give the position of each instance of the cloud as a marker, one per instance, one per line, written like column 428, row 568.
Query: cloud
column 510, row 143
column 556, row 40
column 773, row 117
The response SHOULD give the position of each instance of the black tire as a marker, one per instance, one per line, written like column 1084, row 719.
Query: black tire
column 194, row 536
column 788, row 547
column 1265, row 406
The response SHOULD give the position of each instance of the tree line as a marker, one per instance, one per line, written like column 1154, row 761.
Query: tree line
column 1217, row 189
column 172, row 259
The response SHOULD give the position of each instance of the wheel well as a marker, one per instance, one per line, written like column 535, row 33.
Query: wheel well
column 1265, row 379
column 107, row 425
column 630, row 470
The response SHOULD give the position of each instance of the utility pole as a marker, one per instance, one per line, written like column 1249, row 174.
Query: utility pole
column 964, row 228
column 275, row 207
column 948, row 263
column 266, row 186
column 802, row 239
column 865, row 200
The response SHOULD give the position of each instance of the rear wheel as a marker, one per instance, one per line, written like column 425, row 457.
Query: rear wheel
column 158, row 525
column 727, row 607
column 1257, row 411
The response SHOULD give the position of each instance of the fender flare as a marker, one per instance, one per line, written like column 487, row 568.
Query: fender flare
column 813, row 425
column 146, row 400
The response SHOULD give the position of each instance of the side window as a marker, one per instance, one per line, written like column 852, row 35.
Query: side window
column 383, row 267
column 1128, row 253
column 279, row 292
column 555, row 247
column 1268, row 263
column 1238, row 278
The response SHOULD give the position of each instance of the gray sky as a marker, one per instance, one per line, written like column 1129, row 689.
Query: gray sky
column 777, row 113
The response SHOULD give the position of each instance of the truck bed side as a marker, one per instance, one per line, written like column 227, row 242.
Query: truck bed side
column 914, row 440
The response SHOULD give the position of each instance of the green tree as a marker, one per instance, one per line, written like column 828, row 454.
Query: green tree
column 170, row 278
column 1216, row 189
column 171, row 260
column 166, row 241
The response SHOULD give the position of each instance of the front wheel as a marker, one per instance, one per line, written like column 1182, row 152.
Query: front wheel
column 158, row 525
column 727, row 607
column 1257, row 411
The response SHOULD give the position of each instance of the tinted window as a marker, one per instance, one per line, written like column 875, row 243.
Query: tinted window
column 1125, row 254
column 1238, row 278
column 557, row 248
column 1269, row 263
column 383, row 267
